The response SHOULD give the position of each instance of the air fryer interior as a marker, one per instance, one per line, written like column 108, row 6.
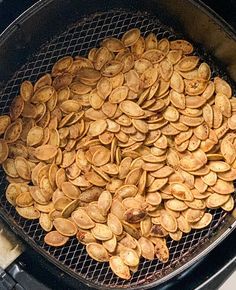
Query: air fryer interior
column 52, row 29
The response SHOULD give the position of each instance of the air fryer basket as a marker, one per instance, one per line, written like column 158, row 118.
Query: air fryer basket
column 76, row 39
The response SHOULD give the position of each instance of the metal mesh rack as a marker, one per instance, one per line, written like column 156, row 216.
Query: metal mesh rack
column 77, row 40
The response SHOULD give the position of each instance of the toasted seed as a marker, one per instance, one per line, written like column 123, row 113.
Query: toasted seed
column 113, row 44
column 174, row 55
column 112, row 68
column 182, row 192
column 43, row 94
column 133, row 81
column 129, row 256
column 69, row 208
column 196, row 204
column 149, row 77
column 232, row 122
column 130, row 37
column 157, row 184
column 127, row 191
column 138, row 48
column 97, row 127
column 228, row 151
column 13, row 131
column 151, row 41
column 183, row 45
column 97, row 252
column 229, row 205
column 16, row 107
column 55, row 239
column 131, row 109
column 24, row 199
column 176, row 82
column 204, row 71
column 85, row 237
column 26, row 90
column 105, row 201
column 161, row 251
column 229, row 175
column 110, row 245
column 114, row 224
column 101, row 232
column 45, row 222
column 29, row 212
column 224, row 105
column 9, row 167
column 183, row 224
column 216, row 200
column 45, row 152
column 133, row 176
column 221, row 86
column 210, row 178
column 177, row 99
column 133, row 215
column 70, row 190
column 119, row 94
column 168, row 222
column 101, row 157
column 35, row 136
column 95, row 213
column 171, row 114
column 195, row 87
column 203, row 222
column 119, row 267
column 79, row 89
column 187, row 63
column 193, row 215
column 153, row 198
column 4, row 123
column 176, row 205
column 223, row 187
column 81, row 218
column 4, row 150
column 163, row 172
column 23, row 168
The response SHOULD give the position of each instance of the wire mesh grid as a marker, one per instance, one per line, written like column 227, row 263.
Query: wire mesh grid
column 77, row 40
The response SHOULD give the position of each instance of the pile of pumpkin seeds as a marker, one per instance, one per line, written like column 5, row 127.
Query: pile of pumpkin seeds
column 122, row 149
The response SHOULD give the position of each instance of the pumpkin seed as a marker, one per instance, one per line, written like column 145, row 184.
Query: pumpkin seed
column 81, row 218
column 97, row 252
column 119, row 267
column 29, row 212
column 55, row 239
column 101, row 232
column 161, row 251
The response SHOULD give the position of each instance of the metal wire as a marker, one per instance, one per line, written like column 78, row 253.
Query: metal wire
column 77, row 40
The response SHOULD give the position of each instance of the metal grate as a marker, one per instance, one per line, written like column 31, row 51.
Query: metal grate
column 77, row 40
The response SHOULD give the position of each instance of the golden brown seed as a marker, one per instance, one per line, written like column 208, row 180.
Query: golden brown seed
column 28, row 212
column 55, row 239
column 4, row 123
column 97, row 127
column 45, row 152
column 65, row 227
column 161, row 251
column 130, row 37
column 97, row 252
column 119, row 267
column 101, row 232
column 168, row 221
column 4, row 150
